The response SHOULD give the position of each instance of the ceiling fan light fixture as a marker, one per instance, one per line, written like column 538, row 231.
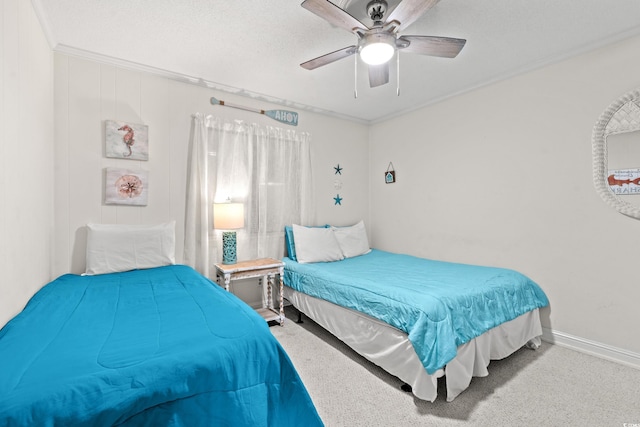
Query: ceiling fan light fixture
column 377, row 48
column 377, row 53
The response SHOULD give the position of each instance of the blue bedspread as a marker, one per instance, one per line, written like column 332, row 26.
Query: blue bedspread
column 156, row 347
column 439, row 305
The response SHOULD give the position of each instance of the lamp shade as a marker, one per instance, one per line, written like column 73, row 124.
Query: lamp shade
column 228, row 216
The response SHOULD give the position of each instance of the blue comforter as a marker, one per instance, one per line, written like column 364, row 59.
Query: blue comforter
column 439, row 305
column 156, row 347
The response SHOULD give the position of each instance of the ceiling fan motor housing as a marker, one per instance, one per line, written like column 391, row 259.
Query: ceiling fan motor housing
column 376, row 10
column 377, row 35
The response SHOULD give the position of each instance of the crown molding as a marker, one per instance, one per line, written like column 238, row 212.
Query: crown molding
column 44, row 22
column 198, row 81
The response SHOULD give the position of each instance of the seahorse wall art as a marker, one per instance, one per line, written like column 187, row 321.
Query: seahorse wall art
column 125, row 140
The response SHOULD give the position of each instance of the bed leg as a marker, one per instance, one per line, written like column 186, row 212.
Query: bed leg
column 299, row 317
column 406, row 387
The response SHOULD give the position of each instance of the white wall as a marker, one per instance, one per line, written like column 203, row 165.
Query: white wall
column 503, row 176
column 88, row 92
column 26, row 150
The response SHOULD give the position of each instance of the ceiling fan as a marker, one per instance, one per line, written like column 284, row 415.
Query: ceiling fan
column 377, row 44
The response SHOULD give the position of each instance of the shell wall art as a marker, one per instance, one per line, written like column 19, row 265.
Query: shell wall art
column 126, row 187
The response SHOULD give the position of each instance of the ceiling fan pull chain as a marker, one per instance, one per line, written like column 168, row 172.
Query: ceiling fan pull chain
column 355, row 77
column 398, row 73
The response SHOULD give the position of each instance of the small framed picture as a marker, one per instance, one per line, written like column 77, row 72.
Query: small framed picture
column 124, row 140
column 624, row 181
column 126, row 187
column 390, row 175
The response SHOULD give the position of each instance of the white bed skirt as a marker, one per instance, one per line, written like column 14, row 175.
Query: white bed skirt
column 391, row 349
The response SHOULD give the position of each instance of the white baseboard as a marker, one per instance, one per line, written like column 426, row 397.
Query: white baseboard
column 592, row 348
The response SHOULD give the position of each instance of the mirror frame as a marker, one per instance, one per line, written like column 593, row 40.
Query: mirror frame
column 600, row 151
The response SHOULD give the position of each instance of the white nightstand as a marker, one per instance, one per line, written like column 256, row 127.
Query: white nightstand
column 261, row 268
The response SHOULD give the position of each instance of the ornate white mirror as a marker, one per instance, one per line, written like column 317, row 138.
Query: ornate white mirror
column 616, row 155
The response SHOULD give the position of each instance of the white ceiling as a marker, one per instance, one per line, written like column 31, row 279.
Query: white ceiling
column 254, row 48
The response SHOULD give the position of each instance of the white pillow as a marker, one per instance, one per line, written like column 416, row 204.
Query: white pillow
column 352, row 240
column 316, row 245
column 113, row 247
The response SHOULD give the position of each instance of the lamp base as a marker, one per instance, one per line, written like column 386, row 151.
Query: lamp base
column 229, row 247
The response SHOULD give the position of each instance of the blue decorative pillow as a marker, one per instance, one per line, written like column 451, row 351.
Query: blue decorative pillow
column 289, row 242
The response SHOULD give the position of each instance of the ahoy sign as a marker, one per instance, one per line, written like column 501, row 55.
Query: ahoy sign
column 283, row 116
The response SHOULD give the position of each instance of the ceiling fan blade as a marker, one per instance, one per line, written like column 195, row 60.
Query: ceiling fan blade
column 445, row 47
column 329, row 58
column 378, row 74
column 408, row 11
column 333, row 14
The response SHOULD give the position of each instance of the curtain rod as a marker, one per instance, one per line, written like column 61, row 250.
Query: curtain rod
column 283, row 116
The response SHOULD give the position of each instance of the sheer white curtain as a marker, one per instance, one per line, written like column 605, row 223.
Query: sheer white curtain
column 266, row 168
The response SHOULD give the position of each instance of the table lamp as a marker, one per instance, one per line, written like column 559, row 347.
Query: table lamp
column 228, row 216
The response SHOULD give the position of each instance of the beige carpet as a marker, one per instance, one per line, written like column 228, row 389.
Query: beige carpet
column 552, row 386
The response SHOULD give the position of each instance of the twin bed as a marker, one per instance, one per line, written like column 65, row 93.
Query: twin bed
column 416, row 318
column 153, row 346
